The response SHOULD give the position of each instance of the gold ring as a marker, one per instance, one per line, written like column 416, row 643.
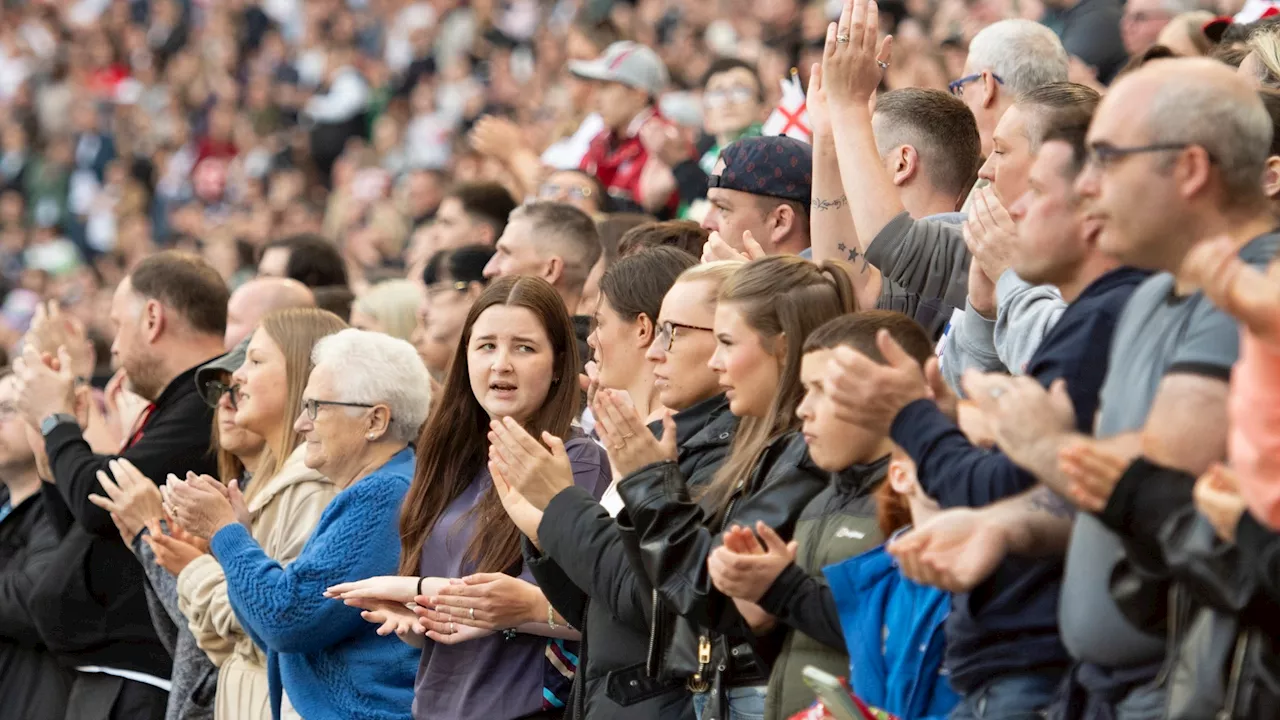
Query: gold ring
column 471, row 612
column 450, row 628
column 842, row 39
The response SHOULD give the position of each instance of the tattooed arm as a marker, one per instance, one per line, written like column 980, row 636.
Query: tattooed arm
column 831, row 228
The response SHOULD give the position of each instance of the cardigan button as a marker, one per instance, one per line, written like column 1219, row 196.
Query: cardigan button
column 635, row 683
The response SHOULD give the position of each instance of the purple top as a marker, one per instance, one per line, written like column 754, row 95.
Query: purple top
column 488, row 677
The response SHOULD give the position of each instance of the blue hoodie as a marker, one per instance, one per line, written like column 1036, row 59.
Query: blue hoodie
column 894, row 630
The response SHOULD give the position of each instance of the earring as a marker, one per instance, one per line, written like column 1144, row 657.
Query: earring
column 370, row 436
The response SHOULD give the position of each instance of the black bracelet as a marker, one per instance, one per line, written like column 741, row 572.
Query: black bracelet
column 420, row 581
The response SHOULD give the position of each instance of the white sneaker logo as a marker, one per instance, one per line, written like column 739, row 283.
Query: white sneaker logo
column 847, row 534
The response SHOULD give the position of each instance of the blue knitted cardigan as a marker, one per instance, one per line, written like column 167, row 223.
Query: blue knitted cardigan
column 333, row 663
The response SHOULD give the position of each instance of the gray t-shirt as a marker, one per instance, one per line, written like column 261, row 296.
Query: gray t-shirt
column 1158, row 334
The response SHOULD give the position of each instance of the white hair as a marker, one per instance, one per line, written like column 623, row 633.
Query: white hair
column 370, row 367
column 1025, row 54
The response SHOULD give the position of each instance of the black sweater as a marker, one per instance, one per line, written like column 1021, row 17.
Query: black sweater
column 90, row 607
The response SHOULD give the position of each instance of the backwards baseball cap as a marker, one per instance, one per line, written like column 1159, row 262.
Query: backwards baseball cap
column 780, row 167
column 631, row 64
column 227, row 363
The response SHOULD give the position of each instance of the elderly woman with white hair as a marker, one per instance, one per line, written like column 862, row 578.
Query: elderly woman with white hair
column 364, row 403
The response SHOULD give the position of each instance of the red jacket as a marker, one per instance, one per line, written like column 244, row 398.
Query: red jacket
column 617, row 162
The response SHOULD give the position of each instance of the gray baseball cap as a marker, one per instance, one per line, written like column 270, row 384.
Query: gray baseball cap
column 228, row 363
column 626, row 62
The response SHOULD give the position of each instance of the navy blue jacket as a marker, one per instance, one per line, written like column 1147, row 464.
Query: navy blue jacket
column 1009, row 624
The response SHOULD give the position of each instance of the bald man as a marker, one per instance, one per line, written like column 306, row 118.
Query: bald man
column 1176, row 157
column 258, row 297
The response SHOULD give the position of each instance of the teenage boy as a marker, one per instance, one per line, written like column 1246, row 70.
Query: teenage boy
column 840, row 522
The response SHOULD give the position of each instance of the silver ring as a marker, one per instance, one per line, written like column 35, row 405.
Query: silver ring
column 883, row 65
column 471, row 612
column 842, row 39
column 995, row 392
column 451, row 628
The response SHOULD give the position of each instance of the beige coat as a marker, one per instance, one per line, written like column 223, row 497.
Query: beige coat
column 284, row 511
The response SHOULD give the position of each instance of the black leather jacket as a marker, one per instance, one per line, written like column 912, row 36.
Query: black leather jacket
column 671, row 535
column 1217, row 603
column 587, row 576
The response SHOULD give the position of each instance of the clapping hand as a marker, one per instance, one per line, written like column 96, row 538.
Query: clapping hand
column 869, row 394
column 177, row 549
column 1241, row 291
column 1025, row 417
column 626, row 438
column 956, row 550
column 743, row 567
column 46, row 385
column 522, row 513
column 990, row 234
column 201, row 504
column 132, row 498
column 537, row 473
column 1093, row 471
column 490, row 601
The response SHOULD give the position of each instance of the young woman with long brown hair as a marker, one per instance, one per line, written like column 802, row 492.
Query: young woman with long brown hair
column 517, row 360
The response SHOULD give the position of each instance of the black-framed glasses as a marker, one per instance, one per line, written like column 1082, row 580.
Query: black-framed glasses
column 1103, row 155
column 667, row 332
column 957, row 86
column 215, row 389
column 311, row 406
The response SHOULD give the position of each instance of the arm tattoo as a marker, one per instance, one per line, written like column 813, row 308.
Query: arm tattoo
column 823, row 204
column 854, row 256
column 1046, row 500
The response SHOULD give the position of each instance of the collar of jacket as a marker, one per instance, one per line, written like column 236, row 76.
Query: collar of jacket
column 705, row 422
column 861, row 479
column 183, row 384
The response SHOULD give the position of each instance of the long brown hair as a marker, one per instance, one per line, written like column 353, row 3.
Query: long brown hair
column 295, row 331
column 778, row 296
column 453, row 446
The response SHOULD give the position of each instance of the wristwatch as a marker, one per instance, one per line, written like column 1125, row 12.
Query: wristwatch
column 48, row 424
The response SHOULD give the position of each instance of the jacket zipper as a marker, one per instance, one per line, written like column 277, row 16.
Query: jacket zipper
column 650, row 666
column 1170, row 657
column 1228, row 710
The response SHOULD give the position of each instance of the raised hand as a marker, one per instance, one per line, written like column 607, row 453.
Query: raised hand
column 522, row 513
column 626, row 438
column 536, row 472
column 990, row 234
column 869, row 394
column 815, row 104
column 45, row 385
column 854, row 59
column 51, row 329
column 199, row 504
column 1241, row 291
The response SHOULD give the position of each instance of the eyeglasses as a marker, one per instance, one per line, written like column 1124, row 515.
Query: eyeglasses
column 735, row 95
column 551, row 190
column 667, row 333
column 1103, row 155
column 311, row 406
column 214, row 390
column 957, row 86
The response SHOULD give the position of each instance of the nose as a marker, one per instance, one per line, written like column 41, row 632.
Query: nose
column 711, row 221
column 987, row 171
column 501, row 361
column 655, row 353
column 716, row 363
column 303, row 424
column 1087, row 181
column 491, row 268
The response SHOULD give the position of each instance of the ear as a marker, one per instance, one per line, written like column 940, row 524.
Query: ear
column 784, row 221
column 1192, row 171
column 553, row 269
column 154, row 321
column 644, row 331
column 990, row 89
column 379, row 422
column 1271, row 177
column 905, row 163
column 902, row 478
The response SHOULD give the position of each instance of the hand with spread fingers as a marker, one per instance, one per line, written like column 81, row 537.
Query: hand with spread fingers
column 956, row 550
column 52, row 329
column 444, row 628
column 537, row 473
column 521, row 511
column 1251, row 296
column 869, row 394
column 743, row 567
column 1093, row 473
column 1217, row 496
column 626, row 438
column 815, row 103
column 493, row 601
column 1024, row 417
column 854, row 58
column 200, row 504
column 132, row 498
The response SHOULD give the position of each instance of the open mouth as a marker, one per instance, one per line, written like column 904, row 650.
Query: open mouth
column 502, row 387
